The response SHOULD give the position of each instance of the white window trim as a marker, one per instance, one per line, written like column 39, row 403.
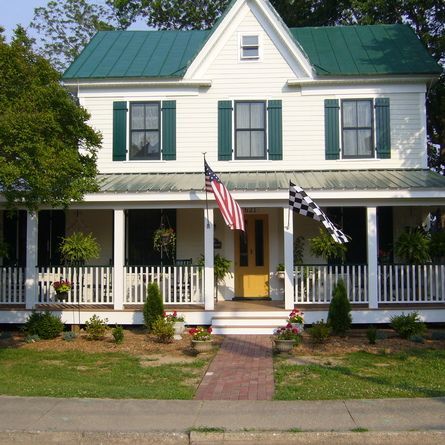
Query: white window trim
column 242, row 58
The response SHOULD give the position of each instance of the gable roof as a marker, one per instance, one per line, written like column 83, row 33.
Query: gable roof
column 332, row 51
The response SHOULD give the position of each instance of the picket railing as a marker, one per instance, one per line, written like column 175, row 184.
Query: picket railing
column 90, row 284
column 178, row 284
column 406, row 283
column 12, row 285
column 314, row 283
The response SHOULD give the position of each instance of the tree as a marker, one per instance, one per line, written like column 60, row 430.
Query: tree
column 67, row 26
column 47, row 150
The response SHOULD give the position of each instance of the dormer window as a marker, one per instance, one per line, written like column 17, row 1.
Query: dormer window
column 250, row 47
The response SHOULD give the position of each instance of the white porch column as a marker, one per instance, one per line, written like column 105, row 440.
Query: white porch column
column 288, row 230
column 209, row 281
column 119, row 259
column 371, row 215
column 31, row 273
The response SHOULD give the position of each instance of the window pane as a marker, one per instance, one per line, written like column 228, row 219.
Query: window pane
column 349, row 114
column 243, row 250
column 144, row 145
column 364, row 113
column 243, row 144
column 257, row 140
column 152, row 144
column 349, row 142
column 250, row 40
column 257, row 115
column 151, row 116
column 137, row 116
column 242, row 115
column 259, row 243
column 136, row 145
column 250, row 51
column 364, row 143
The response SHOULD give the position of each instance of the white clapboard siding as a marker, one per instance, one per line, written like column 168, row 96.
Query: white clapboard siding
column 12, row 285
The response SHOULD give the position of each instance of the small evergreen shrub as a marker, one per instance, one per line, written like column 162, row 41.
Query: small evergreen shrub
column 381, row 335
column 339, row 315
column 44, row 324
column 32, row 338
column 408, row 325
column 118, row 334
column 319, row 332
column 438, row 335
column 96, row 328
column 417, row 339
column 69, row 335
column 371, row 335
column 163, row 330
column 153, row 306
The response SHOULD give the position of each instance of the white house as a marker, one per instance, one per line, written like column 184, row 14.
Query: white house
column 340, row 111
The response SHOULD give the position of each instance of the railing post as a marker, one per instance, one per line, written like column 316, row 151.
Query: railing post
column 209, row 281
column 119, row 258
column 288, row 229
column 31, row 273
column 371, row 215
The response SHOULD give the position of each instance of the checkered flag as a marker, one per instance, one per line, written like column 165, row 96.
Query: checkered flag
column 300, row 202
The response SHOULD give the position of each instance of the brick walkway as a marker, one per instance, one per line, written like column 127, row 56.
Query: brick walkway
column 241, row 370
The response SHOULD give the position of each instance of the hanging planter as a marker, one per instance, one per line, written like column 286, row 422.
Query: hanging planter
column 164, row 240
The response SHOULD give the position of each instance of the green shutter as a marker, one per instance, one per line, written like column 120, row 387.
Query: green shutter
column 331, row 130
column 169, row 130
column 383, row 132
column 275, row 133
column 225, row 130
column 119, row 131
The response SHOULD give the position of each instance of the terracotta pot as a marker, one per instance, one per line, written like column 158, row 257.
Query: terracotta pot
column 179, row 327
column 202, row 345
column 284, row 345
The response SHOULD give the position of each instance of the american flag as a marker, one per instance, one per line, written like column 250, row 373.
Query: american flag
column 230, row 209
column 300, row 202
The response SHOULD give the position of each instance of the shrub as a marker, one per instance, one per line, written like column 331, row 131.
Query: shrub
column 339, row 315
column 69, row 335
column 408, row 325
column 153, row 306
column 319, row 332
column 44, row 324
column 371, row 335
column 96, row 328
column 118, row 334
column 437, row 335
column 32, row 338
column 417, row 339
column 163, row 330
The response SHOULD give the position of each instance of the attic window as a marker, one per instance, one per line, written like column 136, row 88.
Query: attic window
column 250, row 48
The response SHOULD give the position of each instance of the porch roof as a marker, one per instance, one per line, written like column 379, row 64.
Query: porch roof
column 329, row 180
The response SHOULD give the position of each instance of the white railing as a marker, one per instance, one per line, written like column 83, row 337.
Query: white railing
column 314, row 283
column 12, row 285
column 178, row 284
column 90, row 284
column 406, row 283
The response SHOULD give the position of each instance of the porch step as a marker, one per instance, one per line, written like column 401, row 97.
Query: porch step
column 253, row 324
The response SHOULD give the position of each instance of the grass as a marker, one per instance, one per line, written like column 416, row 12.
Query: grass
column 358, row 375
column 109, row 375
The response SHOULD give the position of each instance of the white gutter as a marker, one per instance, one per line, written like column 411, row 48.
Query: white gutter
column 143, row 83
column 357, row 80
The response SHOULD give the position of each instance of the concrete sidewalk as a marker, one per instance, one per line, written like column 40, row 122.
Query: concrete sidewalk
column 50, row 420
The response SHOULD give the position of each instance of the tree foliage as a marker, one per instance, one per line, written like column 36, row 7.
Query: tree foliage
column 41, row 131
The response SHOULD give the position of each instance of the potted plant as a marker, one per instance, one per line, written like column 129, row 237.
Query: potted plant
column 413, row 247
column 280, row 273
column 221, row 267
column 62, row 288
column 324, row 246
column 78, row 248
column 164, row 240
column 286, row 337
column 201, row 338
column 296, row 319
column 178, row 323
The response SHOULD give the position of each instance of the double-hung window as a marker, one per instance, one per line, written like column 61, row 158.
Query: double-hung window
column 250, row 130
column 250, row 47
column 144, row 131
column 357, row 128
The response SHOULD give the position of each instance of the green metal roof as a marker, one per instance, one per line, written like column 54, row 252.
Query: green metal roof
column 332, row 51
column 353, row 180
column 371, row 49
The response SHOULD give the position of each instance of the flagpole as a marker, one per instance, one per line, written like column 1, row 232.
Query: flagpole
column 207, row 202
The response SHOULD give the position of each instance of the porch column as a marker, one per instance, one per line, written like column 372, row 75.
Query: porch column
column 209, row 282
column 371, row 215
column 288, row 229
column 119, row 259
column 31, row 273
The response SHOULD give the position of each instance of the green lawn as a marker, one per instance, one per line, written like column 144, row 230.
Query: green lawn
column 110, row 375
column 415, row 373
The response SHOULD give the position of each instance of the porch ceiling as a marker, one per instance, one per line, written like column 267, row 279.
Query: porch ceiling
column 354, row 180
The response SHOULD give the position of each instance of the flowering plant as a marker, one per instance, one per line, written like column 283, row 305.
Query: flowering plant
column 62, row 286
column 296, row 316
column 287, row 333
column 174, row 317
column 200, row 333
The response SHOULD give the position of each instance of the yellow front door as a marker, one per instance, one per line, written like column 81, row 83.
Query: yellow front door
column 252, row 258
